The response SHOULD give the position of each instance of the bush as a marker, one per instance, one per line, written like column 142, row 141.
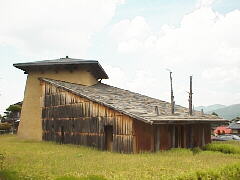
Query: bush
column 196, row 150
column 224, row 148
column 227, row 172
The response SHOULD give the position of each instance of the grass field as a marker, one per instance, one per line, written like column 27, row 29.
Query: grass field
column 46, row 160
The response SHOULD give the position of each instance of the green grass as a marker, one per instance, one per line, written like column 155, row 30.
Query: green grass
column 228, row 147
column 229, row 172
column 8, row 175
column 47, row 160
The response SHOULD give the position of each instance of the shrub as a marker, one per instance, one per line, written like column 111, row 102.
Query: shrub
column 224, row 148
column 196, row 150
column 227, row 172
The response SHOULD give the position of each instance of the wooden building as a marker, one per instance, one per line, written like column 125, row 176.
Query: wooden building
column 109, row 118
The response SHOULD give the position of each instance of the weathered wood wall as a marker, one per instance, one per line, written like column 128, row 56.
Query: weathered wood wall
column 181, row 136
column 144, row 136
column 68, row 118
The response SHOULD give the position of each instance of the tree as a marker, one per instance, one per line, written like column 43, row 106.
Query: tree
column 215, row 114
column 236, row 119
column 12, row 111
column 13, row 108
column 12, row 114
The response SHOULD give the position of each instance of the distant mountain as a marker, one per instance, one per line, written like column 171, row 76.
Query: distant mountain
column 228, row 112
column 210, row 108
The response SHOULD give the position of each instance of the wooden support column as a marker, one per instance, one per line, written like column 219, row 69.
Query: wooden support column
column 157, row 138
column 173, row 136
column 203, row 137
column 184, row 136
column 191, row 136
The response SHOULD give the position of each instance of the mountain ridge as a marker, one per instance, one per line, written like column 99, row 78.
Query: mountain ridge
column 226, row 112
column 210, row 107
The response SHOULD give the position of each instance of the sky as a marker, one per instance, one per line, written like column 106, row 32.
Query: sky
column 135, row 41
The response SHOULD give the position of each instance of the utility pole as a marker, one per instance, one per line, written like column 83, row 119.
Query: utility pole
column 190, row 98
column 172, row 96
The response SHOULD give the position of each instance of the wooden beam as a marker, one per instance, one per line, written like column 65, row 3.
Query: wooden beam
column 158, row 138
column 173, row 136
column 203, row 136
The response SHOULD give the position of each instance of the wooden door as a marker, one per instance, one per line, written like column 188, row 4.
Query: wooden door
column 108, row 137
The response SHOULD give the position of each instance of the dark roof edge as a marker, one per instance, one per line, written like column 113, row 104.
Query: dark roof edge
column 132, row 115
column 107, row 77
column 177, row 121
column 53, row 63
column 22, row 66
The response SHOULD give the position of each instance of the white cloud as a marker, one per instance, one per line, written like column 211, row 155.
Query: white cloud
column 130, row 33
column 205, row 3
column 141, row 82
column 222, row 75
column 53, row 27
column 206, row 44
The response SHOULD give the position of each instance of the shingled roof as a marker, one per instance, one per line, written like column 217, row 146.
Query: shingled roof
column 135, row 105
column 93, row 65
column 234, row 125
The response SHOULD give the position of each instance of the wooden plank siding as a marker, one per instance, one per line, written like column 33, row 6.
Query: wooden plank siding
column 181, row 136
column 69, row 118
column 82, row 121
column 144, row 136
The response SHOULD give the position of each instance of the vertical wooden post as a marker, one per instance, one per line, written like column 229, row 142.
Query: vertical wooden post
column 157, row 110
column 184, row 136
column 179, row 136
column 190, row 98
column 203, row 136
column 191, row 136
column 173, row 137
column 157, row 138
column 172, row 96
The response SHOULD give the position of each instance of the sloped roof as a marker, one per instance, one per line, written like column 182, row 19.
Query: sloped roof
column 92, row 65
column 135, row 105
column 234, row 125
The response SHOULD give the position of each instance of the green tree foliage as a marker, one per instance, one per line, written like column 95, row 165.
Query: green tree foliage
column 12, row 111
column 215, row 114
column 13, row 108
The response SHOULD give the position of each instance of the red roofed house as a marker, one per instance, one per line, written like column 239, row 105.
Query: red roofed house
column 222, row 130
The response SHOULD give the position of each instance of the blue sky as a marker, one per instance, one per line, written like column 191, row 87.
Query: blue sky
column 134, row 40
